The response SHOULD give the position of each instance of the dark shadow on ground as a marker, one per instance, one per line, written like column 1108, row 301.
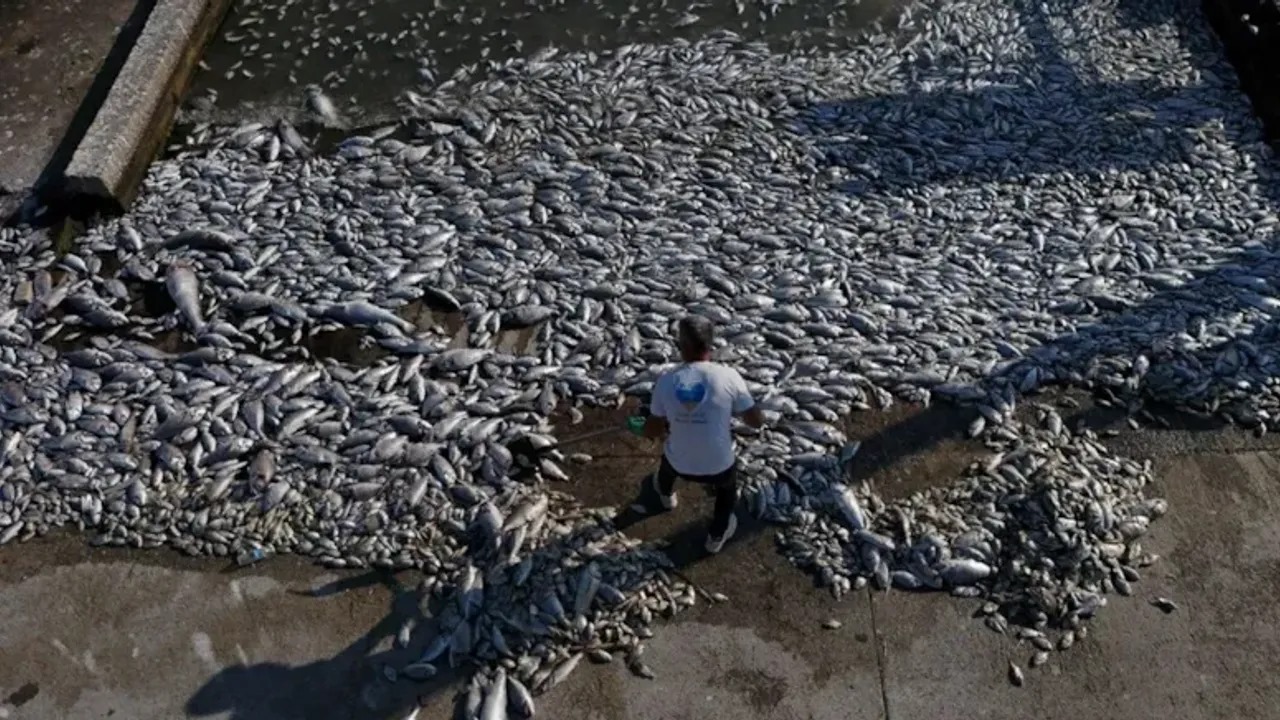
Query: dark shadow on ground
column 355, row 684
column 1167, row 325
column 687, row 545
column 888, row 143
column 347, row 686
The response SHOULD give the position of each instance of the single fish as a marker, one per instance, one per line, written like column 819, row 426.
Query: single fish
column 184, row 289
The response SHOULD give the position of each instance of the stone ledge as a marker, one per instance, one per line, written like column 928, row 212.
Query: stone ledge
column 134, row 121
column 49, row 95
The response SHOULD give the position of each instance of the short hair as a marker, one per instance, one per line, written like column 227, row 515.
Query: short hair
column 696, row 334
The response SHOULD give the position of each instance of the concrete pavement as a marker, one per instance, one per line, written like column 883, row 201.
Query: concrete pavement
column 1220, row 546
column 50, row 55
column 88, row 633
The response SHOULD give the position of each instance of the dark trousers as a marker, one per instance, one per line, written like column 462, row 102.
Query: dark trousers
column 725, row 485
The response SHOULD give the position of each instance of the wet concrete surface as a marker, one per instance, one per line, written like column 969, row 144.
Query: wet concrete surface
column 108, row 633
column 367, row 52
column 50, row 53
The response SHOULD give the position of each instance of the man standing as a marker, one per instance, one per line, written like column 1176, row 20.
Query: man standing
column 693, row 406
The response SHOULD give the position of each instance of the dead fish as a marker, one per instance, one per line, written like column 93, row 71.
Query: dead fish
column 962, row 571
column 564, row 669
column 977, row 426
column 184, row 289
column 323, row 108
column 527, row 512
column 472, row 701
column 495, row 701
column 291, row 138
column 849, row 507
column 525, row 316
column 201, row 239
column 405, row 635
column 441, row 299
column 460, row 359
column 419, row 671
column 262, row 469
column 640, row 669
column 519, row 698
column 1067, row 640
column 358, row 312
column 1015, row 674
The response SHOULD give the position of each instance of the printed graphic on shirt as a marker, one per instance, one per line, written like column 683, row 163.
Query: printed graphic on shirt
column 690, row 391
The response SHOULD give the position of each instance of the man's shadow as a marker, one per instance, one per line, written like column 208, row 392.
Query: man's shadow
column 347, row 686
column 352, row 685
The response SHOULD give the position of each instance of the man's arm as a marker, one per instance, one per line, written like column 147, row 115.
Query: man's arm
column 753, row 417
column 744, row 406
column 655, row 424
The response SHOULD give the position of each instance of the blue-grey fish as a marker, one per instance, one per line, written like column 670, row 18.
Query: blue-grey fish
column 184, row 289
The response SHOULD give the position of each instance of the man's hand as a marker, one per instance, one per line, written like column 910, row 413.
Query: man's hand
column 753, row 417
column 655, row 427
column 647, row 426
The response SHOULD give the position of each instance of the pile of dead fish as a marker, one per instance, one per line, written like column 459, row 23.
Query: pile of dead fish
column 357, row 49
column 545, row 586
column 1042, row 530
column 326, row 353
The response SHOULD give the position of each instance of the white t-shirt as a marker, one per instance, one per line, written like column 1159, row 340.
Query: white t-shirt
column 699, row 401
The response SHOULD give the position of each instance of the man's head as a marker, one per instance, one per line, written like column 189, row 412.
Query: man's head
column 695, row 334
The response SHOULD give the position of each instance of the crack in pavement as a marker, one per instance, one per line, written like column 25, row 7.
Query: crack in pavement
column 879, row 647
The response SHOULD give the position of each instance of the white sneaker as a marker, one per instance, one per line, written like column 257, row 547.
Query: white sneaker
column 714, row 545
column 669, row 502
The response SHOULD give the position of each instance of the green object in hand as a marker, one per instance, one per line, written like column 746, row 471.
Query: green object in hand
column 635, row 425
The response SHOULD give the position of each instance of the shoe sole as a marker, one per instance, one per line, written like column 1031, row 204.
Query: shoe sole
column 728, row 535
column 653, row 485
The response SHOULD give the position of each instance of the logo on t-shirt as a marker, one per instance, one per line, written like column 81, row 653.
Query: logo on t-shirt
column 690, row 390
